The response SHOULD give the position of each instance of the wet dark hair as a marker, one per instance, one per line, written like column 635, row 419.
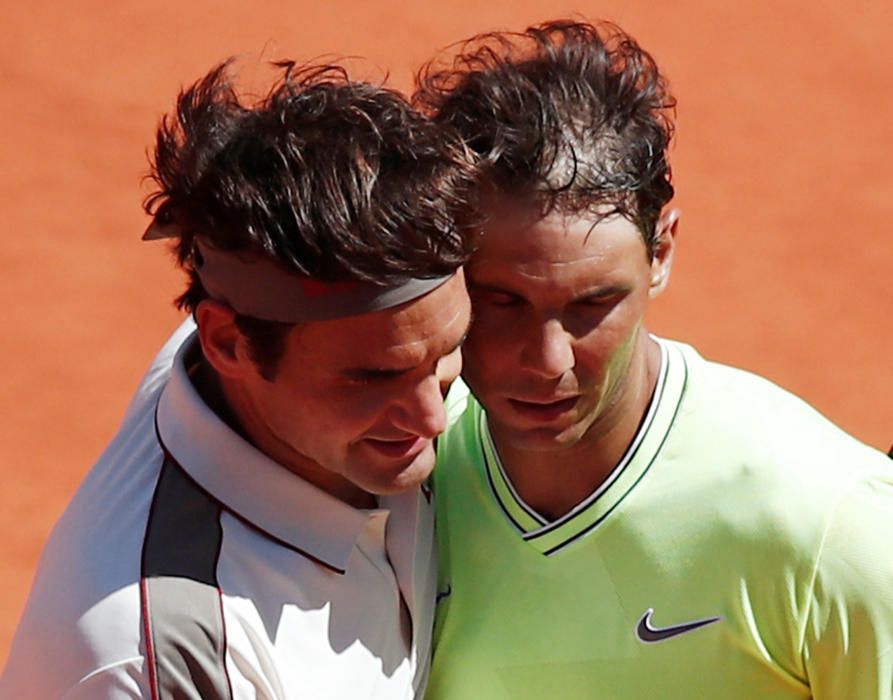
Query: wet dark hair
column 337, row 180
column 571, row 116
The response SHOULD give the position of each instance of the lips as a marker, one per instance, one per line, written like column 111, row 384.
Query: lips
column 405, row 447
column 544, row 411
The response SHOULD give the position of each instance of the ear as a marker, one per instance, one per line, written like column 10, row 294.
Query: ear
column 664, row 247
column 223, row 345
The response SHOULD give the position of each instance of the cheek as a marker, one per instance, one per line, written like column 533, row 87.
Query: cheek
column 353, row 411
column 495, row 332
column 319, row 414
column 483, row 354
column 611, row 343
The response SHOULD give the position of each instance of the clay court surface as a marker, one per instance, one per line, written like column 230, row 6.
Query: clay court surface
column 783, row 164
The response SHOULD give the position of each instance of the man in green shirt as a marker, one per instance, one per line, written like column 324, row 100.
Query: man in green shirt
column 618, row 517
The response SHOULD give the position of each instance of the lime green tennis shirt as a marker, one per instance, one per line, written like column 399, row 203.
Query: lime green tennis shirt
column 740, row 549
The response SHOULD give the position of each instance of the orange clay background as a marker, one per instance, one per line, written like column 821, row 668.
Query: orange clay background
column 783, row 164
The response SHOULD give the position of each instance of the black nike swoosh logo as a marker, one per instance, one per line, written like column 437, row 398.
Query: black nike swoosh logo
column 651, row 635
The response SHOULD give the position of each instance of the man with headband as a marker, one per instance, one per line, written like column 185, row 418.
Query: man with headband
column 259, row 526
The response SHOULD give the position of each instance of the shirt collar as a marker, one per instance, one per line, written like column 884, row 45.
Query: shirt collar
column 247, row 482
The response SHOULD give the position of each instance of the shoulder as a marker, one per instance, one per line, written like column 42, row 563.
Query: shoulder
column 772, row 466
column 159, row 369
column 463, row 417
column 463, row 414
column 83, row 610
column 745, row 416
column 457, row 401
column 459, row 447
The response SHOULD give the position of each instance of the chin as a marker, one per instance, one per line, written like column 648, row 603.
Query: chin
column 547, row 439
column 406, row 477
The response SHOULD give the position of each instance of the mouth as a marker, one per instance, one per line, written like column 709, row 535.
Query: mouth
column 544, row 411
column 403, row 447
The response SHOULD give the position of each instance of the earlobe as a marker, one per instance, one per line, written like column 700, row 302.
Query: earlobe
column 665, row 242
column 222, row 342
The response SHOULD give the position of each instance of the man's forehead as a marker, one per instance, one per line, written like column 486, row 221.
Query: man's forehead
column 556, row 240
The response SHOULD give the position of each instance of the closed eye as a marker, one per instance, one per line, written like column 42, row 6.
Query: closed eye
column 370, row 375
column 366, row 375
column 603, row 298
column 495, row 297
column 599, row 301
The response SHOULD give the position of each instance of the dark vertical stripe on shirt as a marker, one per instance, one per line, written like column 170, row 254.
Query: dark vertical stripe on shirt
column 185, row 638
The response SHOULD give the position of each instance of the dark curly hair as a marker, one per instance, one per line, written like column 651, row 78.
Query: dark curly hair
column 335, row 179
column 570, row 115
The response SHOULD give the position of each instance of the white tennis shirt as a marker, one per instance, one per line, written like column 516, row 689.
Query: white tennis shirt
column 190, row 565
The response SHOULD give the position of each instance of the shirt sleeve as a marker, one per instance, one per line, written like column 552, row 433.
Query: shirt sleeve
column 848, row 637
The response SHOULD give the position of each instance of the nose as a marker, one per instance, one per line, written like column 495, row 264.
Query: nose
column 421, row 411
column 548, row 350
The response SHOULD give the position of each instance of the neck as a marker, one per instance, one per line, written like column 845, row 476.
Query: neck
column 230, row 404
column 553, row 482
